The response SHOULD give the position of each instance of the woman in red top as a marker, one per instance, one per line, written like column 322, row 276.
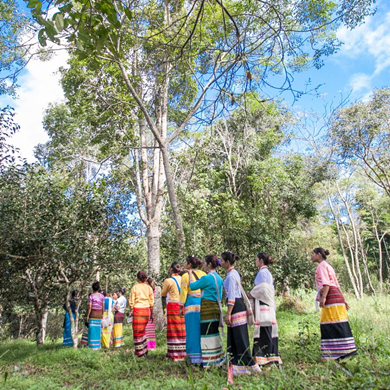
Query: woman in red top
column 336, row 336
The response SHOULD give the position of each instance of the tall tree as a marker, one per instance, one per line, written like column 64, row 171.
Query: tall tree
column 180, row 61
column 361, row 134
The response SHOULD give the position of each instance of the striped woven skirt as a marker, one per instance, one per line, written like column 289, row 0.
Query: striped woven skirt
column 265, row 347
column 140, row 320
column 106, row 332
column 67, row 342
column 84, row 337
column 150, row 333
column 238, row 341
column 210, row 339
column 176, row 333
column 336, row 335
column 94, row 329
column 117, row 333
column 192, row 323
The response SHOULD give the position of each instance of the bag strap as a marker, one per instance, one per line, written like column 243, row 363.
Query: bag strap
column 177, row 284
column 219, row 304
column 244, row 296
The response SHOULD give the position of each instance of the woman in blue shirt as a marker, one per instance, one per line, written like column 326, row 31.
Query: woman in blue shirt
column 265, row 343
column 236, row 320
column 210, row 313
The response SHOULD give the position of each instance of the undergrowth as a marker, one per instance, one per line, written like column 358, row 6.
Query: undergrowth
column 24, row 366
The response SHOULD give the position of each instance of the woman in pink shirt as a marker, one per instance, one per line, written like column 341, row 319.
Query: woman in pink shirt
column 336, row 336
column 94, row 317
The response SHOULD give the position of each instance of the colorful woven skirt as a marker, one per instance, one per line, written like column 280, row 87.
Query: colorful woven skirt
column 150, row 333
column 106, row 332
column 336, row 336
column 84, row 337
column 140, row 320
column 265, row 347
column 94, row 329
column 210, row 340
column 67, row 342
column 118, row 330
column 176, row 333
column 238, row 341
column 192, row 323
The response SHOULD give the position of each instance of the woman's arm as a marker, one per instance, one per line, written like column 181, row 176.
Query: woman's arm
column 199, row 284
column 228, row 316
column 323, row 294
column 89, row 310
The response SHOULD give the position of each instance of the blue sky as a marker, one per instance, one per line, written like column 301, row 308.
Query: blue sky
column 361, row 65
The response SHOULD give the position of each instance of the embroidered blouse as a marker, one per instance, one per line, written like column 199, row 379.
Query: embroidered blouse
column 264, row 276
column 185, row 282
column 231, row 287
column 96, row 301
column 141, row 295
column 207, row 285
column 325, row 276
column 170, row 287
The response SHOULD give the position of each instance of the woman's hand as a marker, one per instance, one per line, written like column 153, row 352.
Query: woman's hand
column 346, row 306
column 181, row 311
column 322, row 301
column 228, row 319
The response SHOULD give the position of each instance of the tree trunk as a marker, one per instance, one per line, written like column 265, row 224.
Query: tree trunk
column 41, row 324
column 153, row 238
column 173, row 201
column 339, row 235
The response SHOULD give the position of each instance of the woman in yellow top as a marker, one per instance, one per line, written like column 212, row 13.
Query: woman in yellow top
column 190, row 302
column 141, row 303
column 176, row 331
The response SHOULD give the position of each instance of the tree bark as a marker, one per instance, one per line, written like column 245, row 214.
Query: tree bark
column 153, row 238
column 41, row 324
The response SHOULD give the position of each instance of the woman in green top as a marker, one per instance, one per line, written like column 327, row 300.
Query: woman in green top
column 210, row 313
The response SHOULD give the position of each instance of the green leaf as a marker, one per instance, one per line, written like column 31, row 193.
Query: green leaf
column 128, row 13
column 59, row 21
column 42, row 38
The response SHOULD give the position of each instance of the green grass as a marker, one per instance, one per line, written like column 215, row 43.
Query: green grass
column 24, row 366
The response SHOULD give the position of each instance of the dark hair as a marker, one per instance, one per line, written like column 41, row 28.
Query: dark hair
column 86, row 324
column 230, row 257
column 75, row 293
column 96, row 286
column 267, row 259
column 141, row 275
column 323, row 252
column 104, row 292
column 212, row 259
column 175, row 266
column 121, row 290
column 194, row 261
column 150, row 281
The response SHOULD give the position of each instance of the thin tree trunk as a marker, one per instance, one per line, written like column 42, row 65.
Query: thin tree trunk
column 339, row 235
column 355, row 238
column 42, row 323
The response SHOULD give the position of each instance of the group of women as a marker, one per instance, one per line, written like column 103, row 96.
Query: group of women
column 104, row 320
column 193, row 300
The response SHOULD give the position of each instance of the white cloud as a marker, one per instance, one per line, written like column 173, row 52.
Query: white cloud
column 39, row 86
column 360, row 81
column 371, row 39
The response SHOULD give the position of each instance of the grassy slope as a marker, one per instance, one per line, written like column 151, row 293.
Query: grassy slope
column 54, row 367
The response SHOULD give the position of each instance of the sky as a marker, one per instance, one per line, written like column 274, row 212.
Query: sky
column 361, row 65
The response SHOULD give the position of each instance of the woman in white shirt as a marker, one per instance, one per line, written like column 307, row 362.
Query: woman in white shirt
column 120, row 307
